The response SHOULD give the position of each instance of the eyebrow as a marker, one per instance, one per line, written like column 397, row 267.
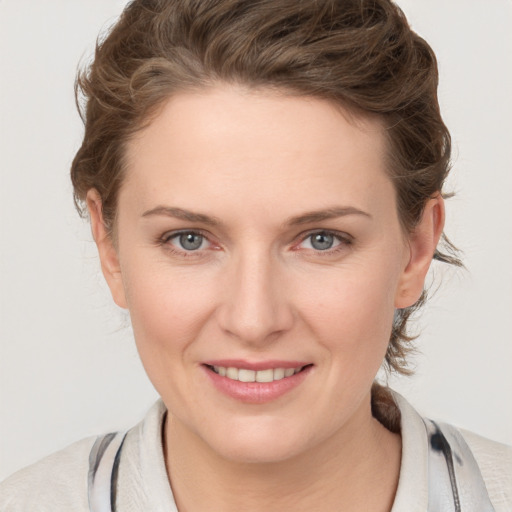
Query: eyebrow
column 305, row 218
column 180, row 213
column 329, row 213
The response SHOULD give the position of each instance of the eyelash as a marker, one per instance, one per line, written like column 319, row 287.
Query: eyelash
column 344, row 240
column 166, row 239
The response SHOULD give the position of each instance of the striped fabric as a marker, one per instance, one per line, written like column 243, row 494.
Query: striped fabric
column 455, row 483
column 103, row 471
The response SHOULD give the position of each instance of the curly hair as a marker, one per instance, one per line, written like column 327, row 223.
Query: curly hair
column 360, row 54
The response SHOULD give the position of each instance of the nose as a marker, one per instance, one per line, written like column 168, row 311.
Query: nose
column 255, row 307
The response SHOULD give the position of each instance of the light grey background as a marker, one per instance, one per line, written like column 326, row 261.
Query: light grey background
column 68, row 366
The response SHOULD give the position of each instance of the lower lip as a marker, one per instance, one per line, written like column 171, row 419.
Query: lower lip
column 256, row 392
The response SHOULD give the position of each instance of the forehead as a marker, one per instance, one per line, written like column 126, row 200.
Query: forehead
column 256, row 145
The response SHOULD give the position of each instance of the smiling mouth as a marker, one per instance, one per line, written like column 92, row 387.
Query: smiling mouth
column 263, row 376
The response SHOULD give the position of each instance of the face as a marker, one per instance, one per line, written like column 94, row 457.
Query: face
column 261, row 257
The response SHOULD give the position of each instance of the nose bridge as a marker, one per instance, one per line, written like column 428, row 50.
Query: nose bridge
column 255, row 305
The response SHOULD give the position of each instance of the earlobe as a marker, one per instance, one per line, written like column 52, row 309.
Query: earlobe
column 422, row 245
column 109, row 259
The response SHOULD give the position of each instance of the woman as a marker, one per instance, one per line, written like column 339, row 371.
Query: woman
column 264, row 183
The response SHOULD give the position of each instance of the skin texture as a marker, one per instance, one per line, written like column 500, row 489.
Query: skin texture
column 258, row 290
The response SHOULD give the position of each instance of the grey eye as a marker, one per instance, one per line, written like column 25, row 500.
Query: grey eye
column 322, row 241
column 191, row 241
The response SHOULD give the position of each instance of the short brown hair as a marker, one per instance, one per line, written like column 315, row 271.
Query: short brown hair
column 360, row 54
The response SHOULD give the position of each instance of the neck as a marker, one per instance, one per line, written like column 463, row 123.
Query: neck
column 355, row 469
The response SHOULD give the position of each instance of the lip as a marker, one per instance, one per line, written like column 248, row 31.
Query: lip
column 256, row 392
column 256, row 365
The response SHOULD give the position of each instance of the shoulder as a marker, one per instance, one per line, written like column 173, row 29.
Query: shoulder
column 57, row 482
column 495, row 463
column 60, row 482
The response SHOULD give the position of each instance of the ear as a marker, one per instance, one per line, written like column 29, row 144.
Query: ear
column 106, row 249
column 422, row 245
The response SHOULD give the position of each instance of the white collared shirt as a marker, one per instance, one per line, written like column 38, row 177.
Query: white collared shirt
column 60, row 482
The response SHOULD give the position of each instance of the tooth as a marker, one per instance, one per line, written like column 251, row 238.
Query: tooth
column 246, row 375
column 232, row 373
column 265, row 375
column 279, row 373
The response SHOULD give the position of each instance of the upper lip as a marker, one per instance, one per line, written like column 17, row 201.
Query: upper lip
column 255, row 365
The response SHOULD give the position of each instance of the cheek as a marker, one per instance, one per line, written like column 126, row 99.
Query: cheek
column 168, row 308
column 352, row 311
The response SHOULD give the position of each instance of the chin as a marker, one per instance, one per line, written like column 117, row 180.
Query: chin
column 251, row 453
column 257, row 443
